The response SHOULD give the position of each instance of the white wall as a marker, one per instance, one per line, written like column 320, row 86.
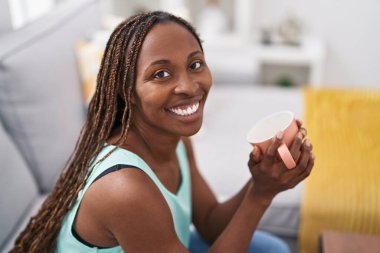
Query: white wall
column 25, row 11
column 350, row 28
column 197, row 6
column 126, row 8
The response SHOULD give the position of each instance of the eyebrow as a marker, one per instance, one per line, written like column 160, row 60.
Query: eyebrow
column 167, row 61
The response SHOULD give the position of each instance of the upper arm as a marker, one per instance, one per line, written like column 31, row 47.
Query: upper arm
column 203, row 198
column 137, row 214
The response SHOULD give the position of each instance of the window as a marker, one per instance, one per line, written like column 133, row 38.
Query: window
column 24, row 11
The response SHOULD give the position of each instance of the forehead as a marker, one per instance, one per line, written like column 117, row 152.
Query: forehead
column 166, row 39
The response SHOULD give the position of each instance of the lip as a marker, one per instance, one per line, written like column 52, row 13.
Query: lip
column 186, row 102
column 188, row 118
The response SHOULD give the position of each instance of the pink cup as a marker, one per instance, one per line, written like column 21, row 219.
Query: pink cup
column 262, row 133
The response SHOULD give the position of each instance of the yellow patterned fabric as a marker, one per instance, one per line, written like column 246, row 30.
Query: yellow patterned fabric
column 343, row 191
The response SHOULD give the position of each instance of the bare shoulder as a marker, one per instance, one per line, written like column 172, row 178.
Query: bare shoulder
column 134, row 211
column 126, row 192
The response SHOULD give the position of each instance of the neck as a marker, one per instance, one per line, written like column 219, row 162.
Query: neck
column 160, row 147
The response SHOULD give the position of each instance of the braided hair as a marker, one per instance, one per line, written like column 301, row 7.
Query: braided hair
column 109, row 108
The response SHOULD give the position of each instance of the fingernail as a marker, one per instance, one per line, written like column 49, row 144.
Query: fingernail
column 299, row 135
column 307, row 142
column 279, row 135
column 254, row 150
column 312, row 157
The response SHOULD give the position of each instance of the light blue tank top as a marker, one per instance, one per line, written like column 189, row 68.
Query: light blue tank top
column 179, row 203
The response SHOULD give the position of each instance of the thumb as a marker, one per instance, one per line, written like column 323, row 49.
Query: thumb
column 256, row 154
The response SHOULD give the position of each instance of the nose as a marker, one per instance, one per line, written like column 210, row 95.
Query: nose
column 186, row 85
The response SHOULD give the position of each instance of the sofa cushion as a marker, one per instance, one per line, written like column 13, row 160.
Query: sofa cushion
column 18, row 188
column 40, row 94
column 31, row 211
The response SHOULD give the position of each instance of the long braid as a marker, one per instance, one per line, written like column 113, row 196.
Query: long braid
column 117, row 73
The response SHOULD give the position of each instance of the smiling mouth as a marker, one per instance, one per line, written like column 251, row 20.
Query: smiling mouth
column 186, row 110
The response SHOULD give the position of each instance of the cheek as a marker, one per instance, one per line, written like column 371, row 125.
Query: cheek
column 151, row 99
column 207, row 78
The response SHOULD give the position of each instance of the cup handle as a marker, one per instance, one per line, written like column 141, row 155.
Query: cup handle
column 286, row 157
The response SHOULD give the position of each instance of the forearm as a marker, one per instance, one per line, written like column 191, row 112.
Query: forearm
column 237, row 235
column 222, row 214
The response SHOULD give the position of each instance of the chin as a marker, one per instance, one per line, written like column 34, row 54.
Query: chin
column 190, row 131
column 189, row 134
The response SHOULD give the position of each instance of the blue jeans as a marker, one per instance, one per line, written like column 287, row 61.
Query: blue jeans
column 262, row 242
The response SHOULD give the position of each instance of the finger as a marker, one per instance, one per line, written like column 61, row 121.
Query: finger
column 299, row 123
column 305, row 155
column 251, row 161
column 270, row 154
column 303, row 131
column 306, row 172
column 256, row 154
column 301, row 127
column 295, row 149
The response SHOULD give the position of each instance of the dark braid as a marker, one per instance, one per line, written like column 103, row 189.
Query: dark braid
column 108, row 109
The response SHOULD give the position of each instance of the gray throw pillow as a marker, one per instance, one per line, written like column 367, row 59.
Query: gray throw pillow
column 40, row 92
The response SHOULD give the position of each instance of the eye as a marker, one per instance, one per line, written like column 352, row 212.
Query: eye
column 196, row 65
column 161, row 74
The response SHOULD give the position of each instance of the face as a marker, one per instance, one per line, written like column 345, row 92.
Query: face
column 172, row 82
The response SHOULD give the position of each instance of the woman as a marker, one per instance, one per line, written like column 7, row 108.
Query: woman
column 132, row 183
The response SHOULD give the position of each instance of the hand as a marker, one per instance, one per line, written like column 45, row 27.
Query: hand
column 270, row 175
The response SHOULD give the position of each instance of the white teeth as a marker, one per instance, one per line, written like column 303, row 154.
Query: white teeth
column 187, row 111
